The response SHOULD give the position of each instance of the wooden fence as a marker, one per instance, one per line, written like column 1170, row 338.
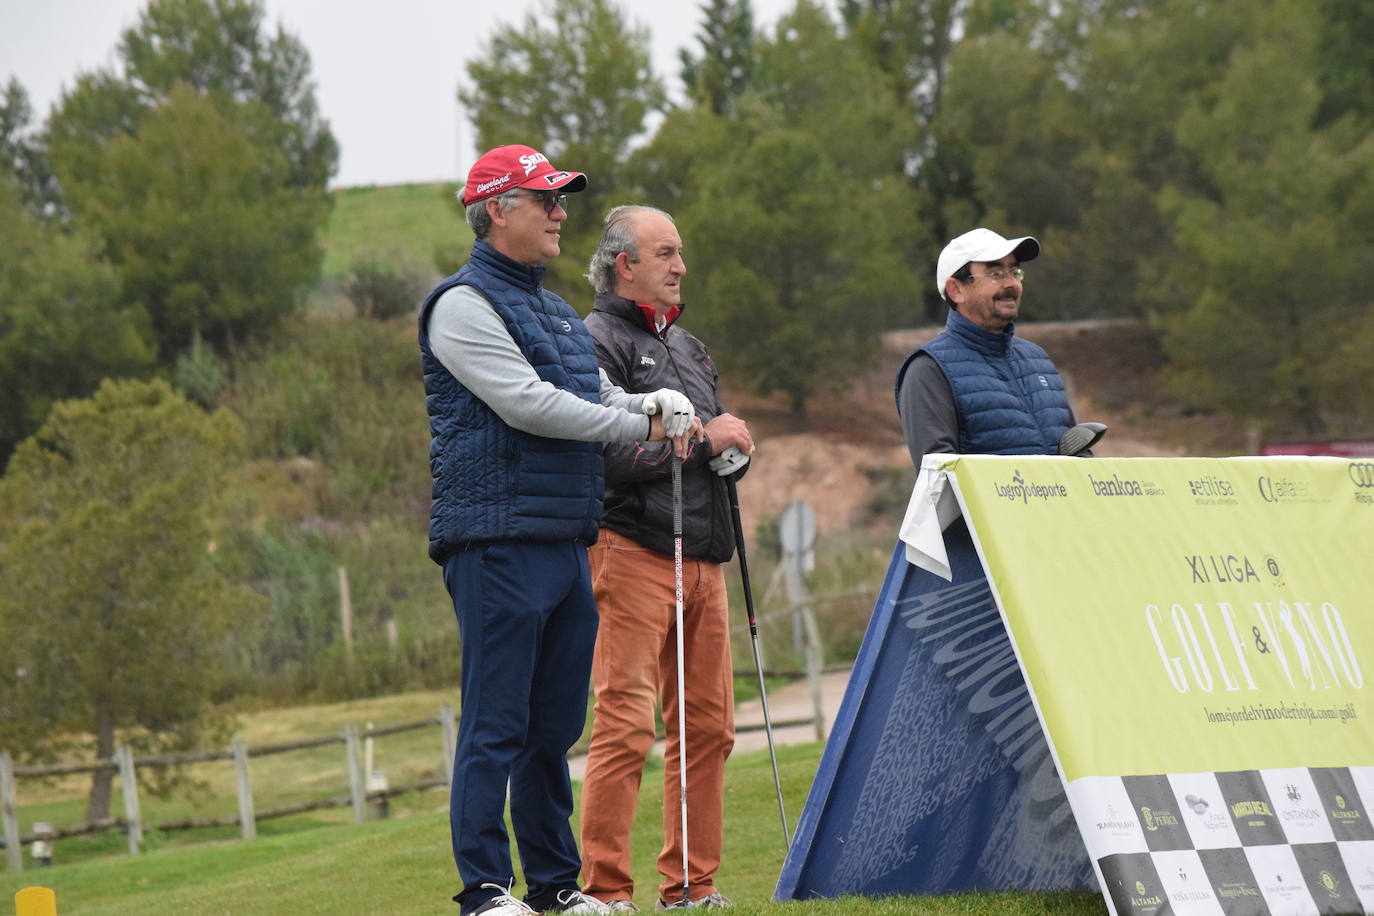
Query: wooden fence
column 125, row 764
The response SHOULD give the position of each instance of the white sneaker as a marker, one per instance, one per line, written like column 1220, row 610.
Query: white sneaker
column 576, row 903
column 622, row 906
column 503, row 904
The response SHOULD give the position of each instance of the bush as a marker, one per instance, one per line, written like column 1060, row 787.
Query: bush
column 378, row 289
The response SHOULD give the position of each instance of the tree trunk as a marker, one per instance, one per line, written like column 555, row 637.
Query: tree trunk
column 99, row 806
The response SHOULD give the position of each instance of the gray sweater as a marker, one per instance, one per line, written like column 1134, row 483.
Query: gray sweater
column 472, row 342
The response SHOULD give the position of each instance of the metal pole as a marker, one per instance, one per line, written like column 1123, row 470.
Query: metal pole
column 681, row 668
column 758, row 656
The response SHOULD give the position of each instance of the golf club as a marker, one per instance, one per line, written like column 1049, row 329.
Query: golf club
column 758, row 657
column 681, row 672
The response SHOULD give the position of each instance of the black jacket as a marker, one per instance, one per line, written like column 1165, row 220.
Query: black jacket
column 639, row 483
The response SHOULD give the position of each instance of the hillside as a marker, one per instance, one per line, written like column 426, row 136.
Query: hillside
column 1111, row 369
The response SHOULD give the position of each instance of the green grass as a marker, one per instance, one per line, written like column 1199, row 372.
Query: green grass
column 322, row 863
column 402, row 225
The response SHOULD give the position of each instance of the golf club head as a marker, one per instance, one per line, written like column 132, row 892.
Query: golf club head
column 1080, row 438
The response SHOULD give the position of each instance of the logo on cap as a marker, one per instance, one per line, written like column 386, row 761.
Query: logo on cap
column 531, row 160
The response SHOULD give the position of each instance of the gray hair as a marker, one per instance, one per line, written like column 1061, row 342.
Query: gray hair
column 478, row 218
column 617, row 235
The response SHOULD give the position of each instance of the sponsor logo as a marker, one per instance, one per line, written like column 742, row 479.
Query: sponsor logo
column 554, row 178
column 1153, row 820
column 1213, row 491
column 567, row 326
column 1329, row 882
column 1251, row 809
column 647, row 361
column 1044, row 382
column 1286, row 490
column 531, row 161
column 486, row 186
column 1020, row 488
column 1197, row 803
column 1117, row 486
column 1234, row 891
column 1361, row 473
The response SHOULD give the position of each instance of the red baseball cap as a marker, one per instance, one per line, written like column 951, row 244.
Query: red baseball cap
column 516, row 166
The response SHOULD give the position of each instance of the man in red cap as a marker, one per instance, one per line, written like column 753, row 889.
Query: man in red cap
column 518, row 410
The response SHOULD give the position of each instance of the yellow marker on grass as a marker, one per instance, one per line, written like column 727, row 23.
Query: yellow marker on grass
column 35, row 901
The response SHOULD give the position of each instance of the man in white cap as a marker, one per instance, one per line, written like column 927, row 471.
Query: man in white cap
column 518, row 412
column 977, row 388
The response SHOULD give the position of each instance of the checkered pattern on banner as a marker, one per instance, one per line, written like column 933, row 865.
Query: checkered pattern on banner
column 1287, row 842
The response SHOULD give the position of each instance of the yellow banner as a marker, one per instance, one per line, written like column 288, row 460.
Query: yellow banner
column 1185, row 615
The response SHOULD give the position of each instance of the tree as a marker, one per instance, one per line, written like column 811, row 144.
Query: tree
column 219, row 48
column 793, row 231
column 113, row 620
column 1265, row 301
column 21, row 153
column 574, row 82
column 200, row 102
column 724, row 68
column 62, row 325
column 200, row 223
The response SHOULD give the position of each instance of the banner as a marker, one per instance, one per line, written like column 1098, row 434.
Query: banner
column 936, row 776
column 1195, row 634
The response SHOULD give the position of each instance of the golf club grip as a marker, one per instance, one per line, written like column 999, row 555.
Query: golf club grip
column 677, row 497
column 739, row 548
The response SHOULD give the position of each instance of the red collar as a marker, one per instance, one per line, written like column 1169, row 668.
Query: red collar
column 649, row 313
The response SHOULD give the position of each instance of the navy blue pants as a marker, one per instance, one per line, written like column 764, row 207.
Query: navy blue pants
column 527, row 620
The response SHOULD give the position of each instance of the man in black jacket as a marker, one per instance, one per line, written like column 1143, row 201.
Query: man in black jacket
column 637, row 273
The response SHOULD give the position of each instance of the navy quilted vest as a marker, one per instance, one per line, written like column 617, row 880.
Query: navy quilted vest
column 1008, row 395
column 493, row 482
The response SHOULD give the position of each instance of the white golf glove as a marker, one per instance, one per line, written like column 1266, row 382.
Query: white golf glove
column 730, row 460
column 677, row 411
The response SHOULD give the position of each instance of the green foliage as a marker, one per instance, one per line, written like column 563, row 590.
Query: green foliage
column 200, row 223
column 403, row 226
column 22, row 154
column 791, row 229
column 724, row 67
column 112, row 616
column 575, row 83
column 62, row 325
column 347, row 394
column 379, row 290
column 201, row 164
column 219, row 48
column 1270, row 278
column 198, row 374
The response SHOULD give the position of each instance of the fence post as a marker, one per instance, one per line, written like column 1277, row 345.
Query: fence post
column 356, row 791
column 14, row 852
column 128, row 781
column 247, row 820
column 814, row 654
column 449, row 739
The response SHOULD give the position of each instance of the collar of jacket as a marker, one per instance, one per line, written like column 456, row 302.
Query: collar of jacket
column 629, row 310
column 521, row 275
column 979, row 338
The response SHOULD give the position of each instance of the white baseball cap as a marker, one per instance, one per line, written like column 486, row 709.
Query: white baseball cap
column 981, row 245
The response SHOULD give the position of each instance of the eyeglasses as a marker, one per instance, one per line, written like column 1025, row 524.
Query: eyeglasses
column 998, row 274
column 549, row 199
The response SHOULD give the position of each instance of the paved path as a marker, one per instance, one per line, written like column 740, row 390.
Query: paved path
column 788, row 703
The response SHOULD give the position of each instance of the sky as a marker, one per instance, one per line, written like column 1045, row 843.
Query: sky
column 386, row 73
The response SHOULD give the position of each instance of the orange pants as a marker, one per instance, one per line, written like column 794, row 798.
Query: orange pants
column 635, row 663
